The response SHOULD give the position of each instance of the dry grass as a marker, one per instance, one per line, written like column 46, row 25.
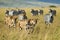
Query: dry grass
column 40, row 31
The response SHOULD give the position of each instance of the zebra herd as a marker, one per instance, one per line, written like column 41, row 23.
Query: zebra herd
column 18, row 18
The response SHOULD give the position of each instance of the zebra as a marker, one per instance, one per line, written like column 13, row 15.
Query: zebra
column 48, row 18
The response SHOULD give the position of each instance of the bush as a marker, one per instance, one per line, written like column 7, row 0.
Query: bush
column 52, row 6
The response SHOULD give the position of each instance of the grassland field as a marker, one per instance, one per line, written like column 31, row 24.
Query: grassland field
column 40, row 30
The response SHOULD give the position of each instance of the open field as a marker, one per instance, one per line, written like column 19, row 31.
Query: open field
column 40, row 31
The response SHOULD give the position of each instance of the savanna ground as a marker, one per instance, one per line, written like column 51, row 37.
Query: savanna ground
column 40, row 30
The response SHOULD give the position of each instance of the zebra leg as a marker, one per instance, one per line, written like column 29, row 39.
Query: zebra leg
column 20, row 28
column 46, row 24
column 5, row 22
column 32, row 30
column 14, row 25
column 9, row 26
column 49, row 24
column 28, row 28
